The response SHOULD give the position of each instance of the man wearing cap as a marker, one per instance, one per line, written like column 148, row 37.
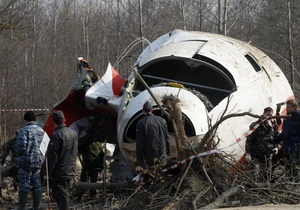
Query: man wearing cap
column 29, row 160
column 151, row 138
column 61, row 155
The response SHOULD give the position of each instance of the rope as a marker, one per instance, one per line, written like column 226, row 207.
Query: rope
column 180, row 163
column 243, row 137
column 22, row 110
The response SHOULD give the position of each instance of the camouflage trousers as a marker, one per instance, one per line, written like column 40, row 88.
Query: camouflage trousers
column 29, row 178
column 263, row 166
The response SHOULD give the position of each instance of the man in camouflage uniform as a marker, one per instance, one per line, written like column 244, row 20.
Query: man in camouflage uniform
column 92, row 164
column 260, row 144
column 10, row 147
column 29, row 159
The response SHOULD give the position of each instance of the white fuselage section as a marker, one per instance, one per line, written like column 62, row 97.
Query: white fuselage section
column 213, row 64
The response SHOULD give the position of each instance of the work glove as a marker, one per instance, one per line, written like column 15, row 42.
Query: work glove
column 139, row 168
column 275, row 151
column 4, row 166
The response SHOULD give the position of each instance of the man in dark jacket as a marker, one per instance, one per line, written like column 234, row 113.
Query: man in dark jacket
column 29, row 160
column 260, row 144
column 152, row 138
column 61, row 155
column 290, row 136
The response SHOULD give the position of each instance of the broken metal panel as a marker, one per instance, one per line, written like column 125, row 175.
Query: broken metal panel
column 180, row 49
column 105, row 92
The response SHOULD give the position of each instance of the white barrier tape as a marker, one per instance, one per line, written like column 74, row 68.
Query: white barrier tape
column 243, row 137
column 22, row 110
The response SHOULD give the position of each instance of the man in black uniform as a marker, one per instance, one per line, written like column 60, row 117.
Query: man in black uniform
column 152, row 138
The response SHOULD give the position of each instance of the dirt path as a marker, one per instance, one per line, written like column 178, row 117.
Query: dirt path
column 265, row 207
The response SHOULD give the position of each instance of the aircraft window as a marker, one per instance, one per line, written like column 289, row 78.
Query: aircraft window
column 253, row 62
column 208, row 77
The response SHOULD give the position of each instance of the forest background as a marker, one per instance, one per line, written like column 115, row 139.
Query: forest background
column 41, row 40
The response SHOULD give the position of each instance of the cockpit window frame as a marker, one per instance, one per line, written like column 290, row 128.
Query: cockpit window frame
column 194, row 66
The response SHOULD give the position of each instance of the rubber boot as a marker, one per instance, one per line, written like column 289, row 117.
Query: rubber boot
column 15, row 184
column 23, row 197
column 36, row 198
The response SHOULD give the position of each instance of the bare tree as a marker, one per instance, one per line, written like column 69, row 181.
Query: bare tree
column 41, row 40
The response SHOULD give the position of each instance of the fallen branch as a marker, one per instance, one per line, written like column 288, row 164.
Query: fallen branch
column 183, row 177
column 198, row 196
column 88, row 185
column 219, row 202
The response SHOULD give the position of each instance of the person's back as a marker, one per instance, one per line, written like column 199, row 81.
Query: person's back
column 28, row 144
column 92, row 164
column 66, row 140
column 10, row 147
column 9, row 168
column 29, row 159
column 61, row 155
column 153, row 129
column 151, row 137
column 94, row 155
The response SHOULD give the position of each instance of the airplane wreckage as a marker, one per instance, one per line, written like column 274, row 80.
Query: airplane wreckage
column 209, row 74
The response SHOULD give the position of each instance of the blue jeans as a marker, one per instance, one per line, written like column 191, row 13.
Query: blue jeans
column 29, row 178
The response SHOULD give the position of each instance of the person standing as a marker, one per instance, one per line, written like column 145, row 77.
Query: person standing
column 61, row 156
column 29, row 160
column 290, row 136
column 260, row 144
column 152, row 138
column 10, row 147
column 92, row 164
